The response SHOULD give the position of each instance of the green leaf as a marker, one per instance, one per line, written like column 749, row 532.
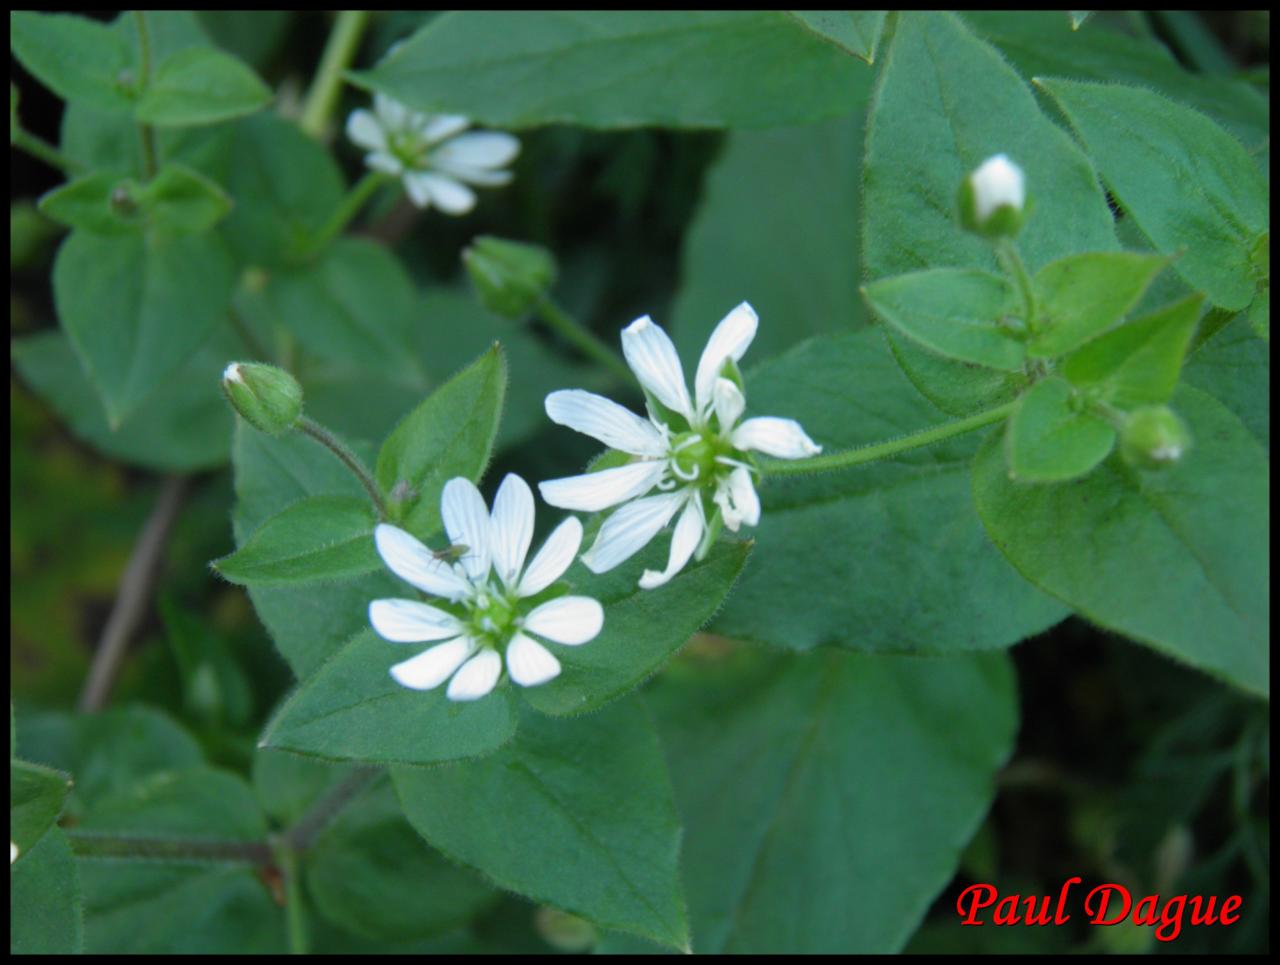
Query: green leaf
column 319, row 538
column 1189, row 184
column 215, row 688
column 1079, row 17
column 76, row 58
column 943, row 87
column 642, row 628
column 137, row 309
column 1050, row 440
column 953, row 312
column 794, row 183
column 36, row 795
column 45, row 915
column 888, row 556
column 1081, row 296
column 86, row 203
column 183, row 201
column 1138, row 363
column 1177, row 559
column 352, row 709
column 573, row 813
column 372, row 875
column 288, row 785
column 185, row 425
column 1234, row 366
column 449, row 434
column 809, row 786
column 200, row 85
column 622, row 69
column 856, row 31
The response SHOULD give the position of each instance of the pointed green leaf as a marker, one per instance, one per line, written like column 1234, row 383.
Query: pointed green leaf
column 954, row 312
column 1234, row 366
column 45, row 908
column 1139, row 362
column 319, row 538
column 1190, row 185
column 449, row 434
column 622, row 68
column 86, row 203
column 36, row 795
column 352, row 709
column 1081, row 296
column 200, row 85
column 1051, row 440
column 77, row 58
column 182, row 201
column 1177, row 559
column 857, row 31
column 826, row 798
column 573, row 813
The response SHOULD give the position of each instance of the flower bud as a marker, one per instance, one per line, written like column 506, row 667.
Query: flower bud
column 563, row 931
column 1153, row 437
column 268, row 398
column 993, row 197
column 509, row 277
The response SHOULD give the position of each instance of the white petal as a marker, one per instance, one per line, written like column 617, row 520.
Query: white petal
column 393, row 115
column 478, row 149
column 384, row 162
column 476, row 678
column 997, row 181
column 569, row 620
column 630, row 528
column 477, row 176
column 729, row 404
column 730, row 340
column 653, row 358
column 432, row 667
column 363, row 129
column 553, row 559
column 782, row 438
column 466, row 520
column 408, row 621
column 738, row 501
column 594, row 491
column 603, row 419
column 439, row 126
column 685, row 539
column 412, row 562
column 445, row 193
column 530, row 663
column 511, row 528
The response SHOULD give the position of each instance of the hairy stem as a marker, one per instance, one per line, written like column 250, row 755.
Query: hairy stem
column 339, row 51
column 146, row 131
column 317, row 817
column 585, row 341
column 891, row 447
column 287, row 861
column 348, row 458
column 1011, row 262
column 90, row 845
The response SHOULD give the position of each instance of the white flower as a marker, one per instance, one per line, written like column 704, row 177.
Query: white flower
column 997, row 182
column 13, row 852
column 431, row 154
column 484, row 614
column 694, row 452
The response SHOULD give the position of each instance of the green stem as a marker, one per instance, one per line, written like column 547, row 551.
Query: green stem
column 348, row 458
column 90, row 845
column 44, row 151
column 1011, row 262
column 146, row 132
column 585, row 341
column 882, row 450
column 317, row 817
column 287, row 862
column 339, row 51
column 346, row 210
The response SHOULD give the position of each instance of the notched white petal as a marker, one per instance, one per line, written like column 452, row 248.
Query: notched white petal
column 408, row 559
column 730, row 340
column 433, row 667
column 440, row 126
column 594, row 491
column 364, row 130
column 629, row 529
column 553, row 559
column 530, row 663
column 738, row 501
column 511, row 528
column 652, row 356
column 685, row 539
column 729, row 404
column 606, row 421
column 478, row 149
column 781, row 438
column 570, row 620
column 445, row 193
column 477, row 677
column 408, row 621
column 466, row 520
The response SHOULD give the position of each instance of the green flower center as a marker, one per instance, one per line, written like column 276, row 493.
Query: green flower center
column 493, row 616
column 693, row 457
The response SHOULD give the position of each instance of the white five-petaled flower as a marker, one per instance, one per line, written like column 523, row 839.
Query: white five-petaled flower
column 694, row 451
column 486, row 612
column 431, row 154
column 997, row 182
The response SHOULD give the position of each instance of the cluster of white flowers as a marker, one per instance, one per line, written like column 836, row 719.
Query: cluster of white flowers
column 696, row 452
